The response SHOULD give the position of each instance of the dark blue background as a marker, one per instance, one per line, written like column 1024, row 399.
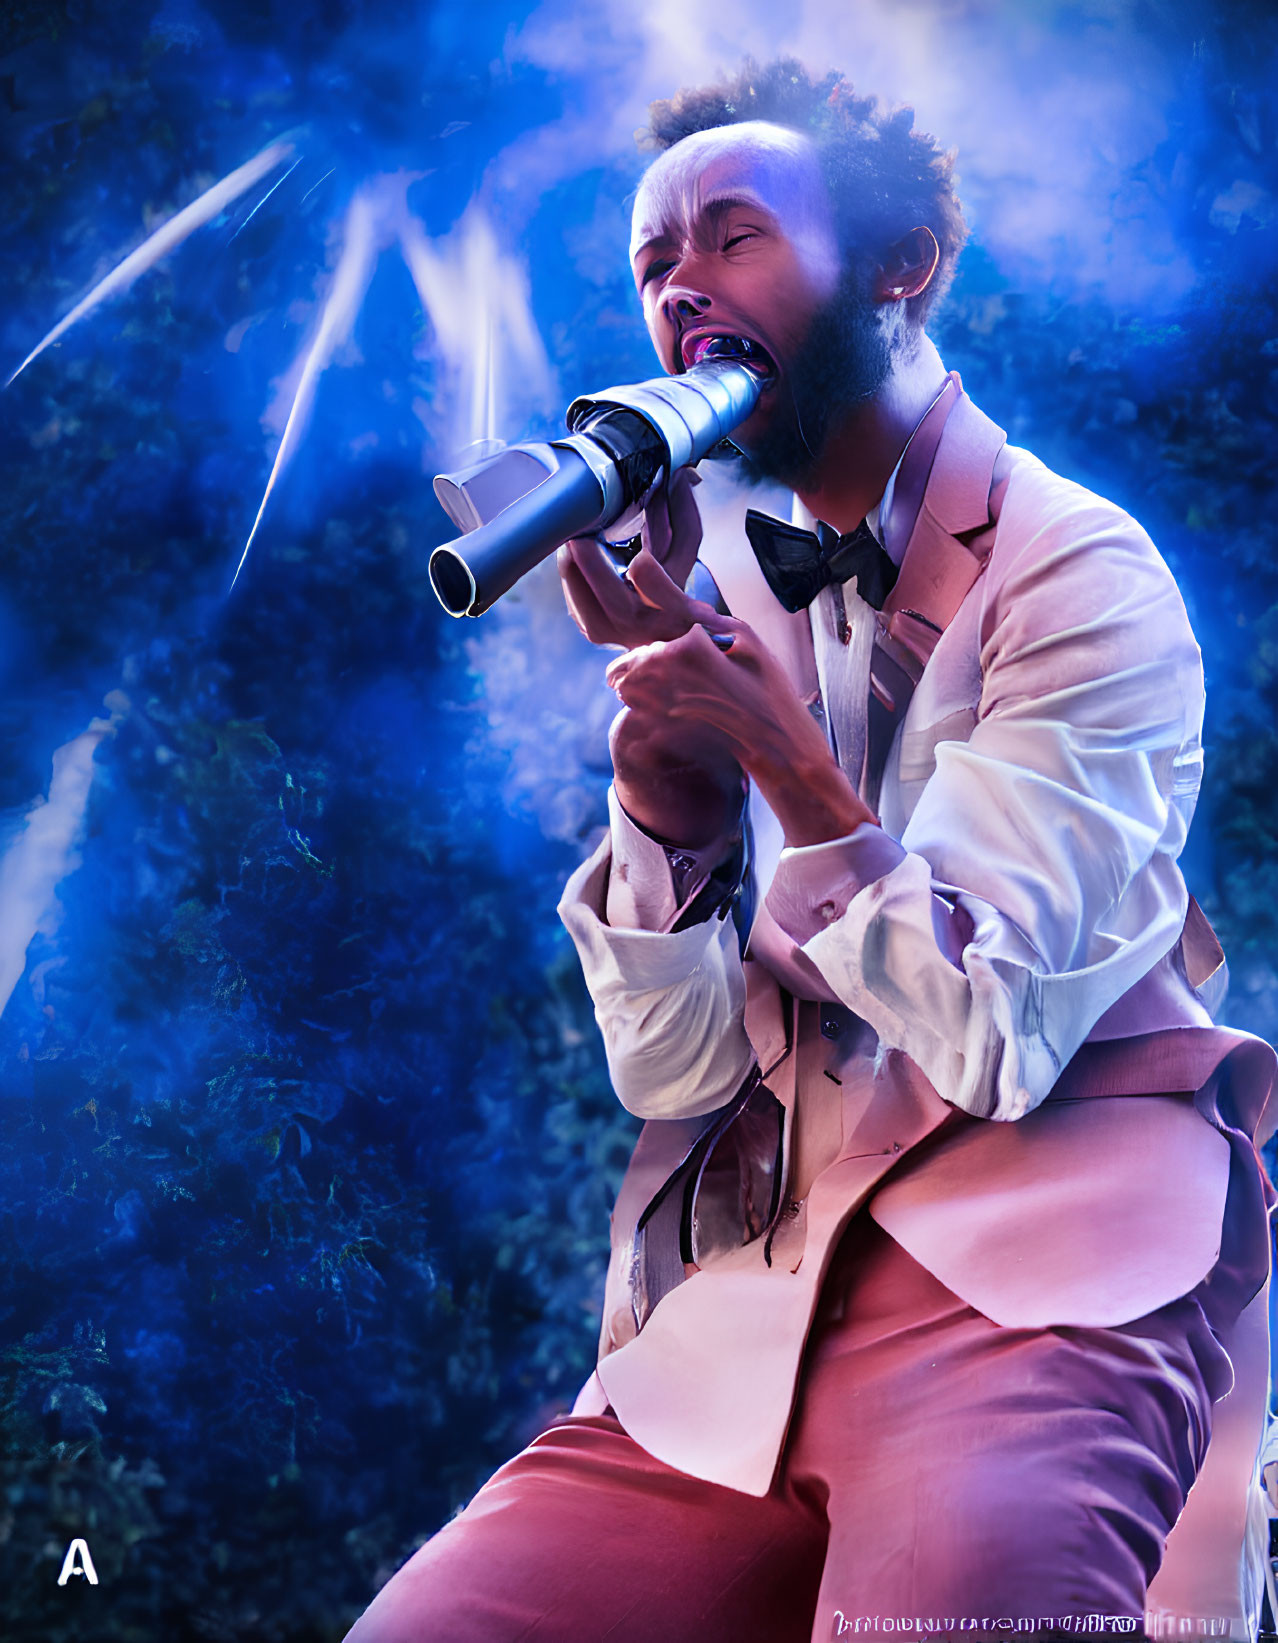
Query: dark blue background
column 306, row 1147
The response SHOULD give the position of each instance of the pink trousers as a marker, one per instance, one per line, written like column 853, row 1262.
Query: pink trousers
column 941, row 1473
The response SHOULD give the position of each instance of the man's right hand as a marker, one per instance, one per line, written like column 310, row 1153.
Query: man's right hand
column 648, row 603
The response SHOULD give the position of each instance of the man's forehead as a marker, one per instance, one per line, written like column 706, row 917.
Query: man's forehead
column 766, row 164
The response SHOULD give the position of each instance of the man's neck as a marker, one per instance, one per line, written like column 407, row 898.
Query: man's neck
column 863, row 449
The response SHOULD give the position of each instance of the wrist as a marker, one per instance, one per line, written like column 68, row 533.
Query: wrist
column 684, row 810
column 811, row 798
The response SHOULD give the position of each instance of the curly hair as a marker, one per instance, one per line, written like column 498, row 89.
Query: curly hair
column 884, row 177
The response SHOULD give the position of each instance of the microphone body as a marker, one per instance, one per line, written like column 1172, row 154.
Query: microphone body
column 519, row 505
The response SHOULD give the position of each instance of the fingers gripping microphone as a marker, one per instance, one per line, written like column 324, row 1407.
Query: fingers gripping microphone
column 518, row 506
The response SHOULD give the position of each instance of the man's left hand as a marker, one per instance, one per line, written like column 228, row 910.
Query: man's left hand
column 743, row 692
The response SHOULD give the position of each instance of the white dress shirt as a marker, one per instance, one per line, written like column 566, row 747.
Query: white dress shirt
column 1024, row 877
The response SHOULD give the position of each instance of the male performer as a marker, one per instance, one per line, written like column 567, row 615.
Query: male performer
column 946, row 1229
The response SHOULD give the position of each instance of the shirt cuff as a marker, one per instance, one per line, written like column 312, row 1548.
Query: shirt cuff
column 814, row 883
column 652, row 885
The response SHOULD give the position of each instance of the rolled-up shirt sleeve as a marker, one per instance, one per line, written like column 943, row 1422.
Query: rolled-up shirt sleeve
column 670, row 1003
column 1036, row 879
column 660, row 887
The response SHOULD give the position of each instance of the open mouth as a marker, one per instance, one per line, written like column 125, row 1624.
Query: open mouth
column 742, row 349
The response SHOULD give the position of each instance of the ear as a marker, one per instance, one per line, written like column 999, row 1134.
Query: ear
column 908, row 267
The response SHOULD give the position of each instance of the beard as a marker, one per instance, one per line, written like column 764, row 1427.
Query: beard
column 843, row 361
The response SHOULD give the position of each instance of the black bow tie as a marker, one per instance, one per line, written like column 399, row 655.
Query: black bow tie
column 799, row 563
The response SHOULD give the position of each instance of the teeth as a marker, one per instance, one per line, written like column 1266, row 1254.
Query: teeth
column 722, row 348
column 729, row 347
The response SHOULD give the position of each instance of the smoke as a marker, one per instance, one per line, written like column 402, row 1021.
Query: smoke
column 46, row 849
column 485, row 342
column 1060, row 117
column 1059, row 114
column 546, row 708
column 489, row 357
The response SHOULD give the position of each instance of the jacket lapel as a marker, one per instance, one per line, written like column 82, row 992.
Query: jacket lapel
column 943, row 514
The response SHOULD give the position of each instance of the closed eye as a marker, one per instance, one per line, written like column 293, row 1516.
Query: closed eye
column 738, row 239
column 657, row 267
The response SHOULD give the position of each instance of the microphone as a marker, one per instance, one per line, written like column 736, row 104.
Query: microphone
column 518, row 506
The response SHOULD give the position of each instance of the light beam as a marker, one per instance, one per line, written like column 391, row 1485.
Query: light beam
column 351, row 280
column 253, row 213
column 165, row 238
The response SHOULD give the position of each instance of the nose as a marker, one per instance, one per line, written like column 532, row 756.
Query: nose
column 683, row 303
